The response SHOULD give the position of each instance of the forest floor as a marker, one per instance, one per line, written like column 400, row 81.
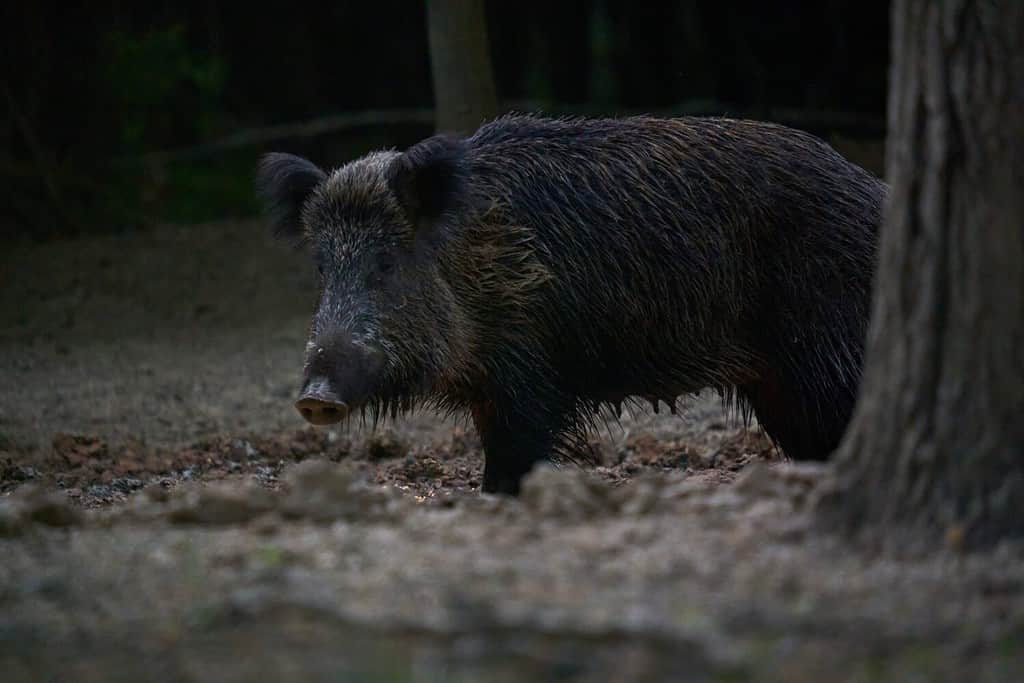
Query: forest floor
column 165, row 515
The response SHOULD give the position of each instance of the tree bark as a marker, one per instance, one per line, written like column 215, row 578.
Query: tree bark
column 460, row 62
column 936, row 445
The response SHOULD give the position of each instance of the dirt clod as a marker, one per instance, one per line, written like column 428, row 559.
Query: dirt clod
column 323, row 491
column 218, row 504
column 566, row 494
column 32, row 504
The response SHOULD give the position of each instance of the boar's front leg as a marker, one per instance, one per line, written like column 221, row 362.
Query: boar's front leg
column 512, row 442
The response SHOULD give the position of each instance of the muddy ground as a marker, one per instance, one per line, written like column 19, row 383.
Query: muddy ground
column 164, row 514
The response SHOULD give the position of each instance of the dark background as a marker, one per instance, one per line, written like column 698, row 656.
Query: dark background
column 91, row 92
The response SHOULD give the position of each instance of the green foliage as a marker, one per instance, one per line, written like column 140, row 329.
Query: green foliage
column 162, row 90
column 158, row 92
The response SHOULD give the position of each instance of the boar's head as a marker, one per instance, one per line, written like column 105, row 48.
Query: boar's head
column 387, row 327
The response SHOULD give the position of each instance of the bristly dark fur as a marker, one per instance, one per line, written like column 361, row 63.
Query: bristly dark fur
column 285, row 181
column 587, row 263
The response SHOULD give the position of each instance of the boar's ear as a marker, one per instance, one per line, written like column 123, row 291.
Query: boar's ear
column 426, row 179
column 284, row 182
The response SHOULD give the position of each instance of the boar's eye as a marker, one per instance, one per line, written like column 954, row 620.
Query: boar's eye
column 382, row 265
column 385, row 263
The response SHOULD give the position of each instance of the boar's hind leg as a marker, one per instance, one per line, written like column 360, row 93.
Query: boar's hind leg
column 512, row 445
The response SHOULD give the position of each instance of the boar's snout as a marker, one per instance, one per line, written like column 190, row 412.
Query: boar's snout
column 339, row 376
column 321, row 411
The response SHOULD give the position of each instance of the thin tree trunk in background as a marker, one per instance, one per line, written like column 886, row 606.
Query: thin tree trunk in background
column 460, row 61
column 936, row 445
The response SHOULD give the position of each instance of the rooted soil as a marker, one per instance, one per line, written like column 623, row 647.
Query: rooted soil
column 164, row 514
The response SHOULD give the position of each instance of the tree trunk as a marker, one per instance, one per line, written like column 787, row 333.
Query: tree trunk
column 460, row 62
column 936, row 445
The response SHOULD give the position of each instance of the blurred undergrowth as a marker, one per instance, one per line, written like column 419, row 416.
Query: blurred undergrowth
column 112, row 115
column 144, row 73
column 157, row 91
column 167, row 93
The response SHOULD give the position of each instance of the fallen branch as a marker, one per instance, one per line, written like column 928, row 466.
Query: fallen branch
column 291, row 131
column 800, row 118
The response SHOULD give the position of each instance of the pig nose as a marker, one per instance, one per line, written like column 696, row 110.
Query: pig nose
column 319, row 412
column 319, row 406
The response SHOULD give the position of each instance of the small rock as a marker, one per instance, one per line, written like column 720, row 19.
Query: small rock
column 99, row 491
column 127, row 485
